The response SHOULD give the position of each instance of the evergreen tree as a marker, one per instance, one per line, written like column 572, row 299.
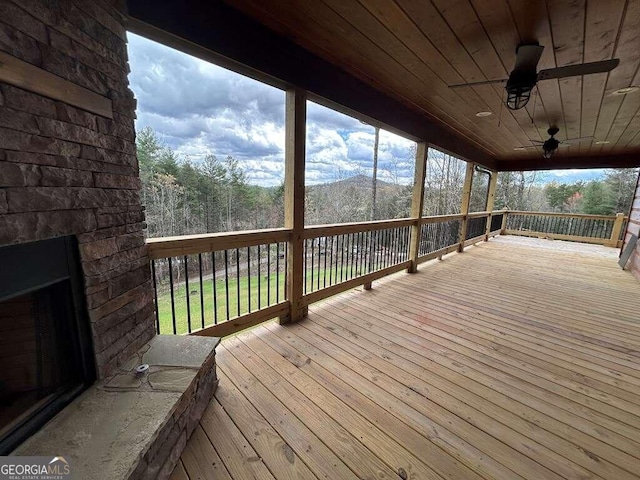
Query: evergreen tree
column 597, row 199
column 185, row 197
column 563, row 197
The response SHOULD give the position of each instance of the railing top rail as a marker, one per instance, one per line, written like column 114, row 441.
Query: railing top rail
column 459, row 216
column 441, row 218
column 315, row 231
column 164, row 247
column 563, row 214
column 479, row 214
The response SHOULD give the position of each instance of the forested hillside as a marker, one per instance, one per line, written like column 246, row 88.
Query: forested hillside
column 185, row 197
column 182, row 197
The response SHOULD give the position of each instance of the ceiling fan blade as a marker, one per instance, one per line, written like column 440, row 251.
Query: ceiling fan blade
column 576, row 140
column 528, row 57
column 581, row 69
column 475, row 84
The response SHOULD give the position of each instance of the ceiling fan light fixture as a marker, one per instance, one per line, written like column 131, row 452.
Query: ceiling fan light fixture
column 519, row 87
column 548, row 154
column 484, row 114
column 518, row 96
column 626, row 90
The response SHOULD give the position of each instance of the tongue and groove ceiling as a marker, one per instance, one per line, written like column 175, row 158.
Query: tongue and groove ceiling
column 393, row 60
column 413, row 49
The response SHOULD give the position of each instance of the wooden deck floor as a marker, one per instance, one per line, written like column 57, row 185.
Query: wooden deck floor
column 517, row 359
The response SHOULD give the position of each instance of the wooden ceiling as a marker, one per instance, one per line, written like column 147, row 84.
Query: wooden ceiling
column 391, row 62
column 411, row 50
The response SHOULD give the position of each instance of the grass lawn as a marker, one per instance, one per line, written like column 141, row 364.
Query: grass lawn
column 235, row 290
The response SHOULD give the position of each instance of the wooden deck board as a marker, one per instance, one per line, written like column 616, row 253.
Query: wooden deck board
column 234, row 449
column 543, row 364
column 179, row 473
column 279, row 458
column 518, row 359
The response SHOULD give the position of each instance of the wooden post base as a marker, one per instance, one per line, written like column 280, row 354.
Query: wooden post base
column 367, row 286
column 293, row 317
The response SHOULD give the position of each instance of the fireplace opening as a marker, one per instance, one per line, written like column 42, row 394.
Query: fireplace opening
column 46, row 357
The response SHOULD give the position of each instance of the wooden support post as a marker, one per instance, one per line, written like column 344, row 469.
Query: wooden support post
column 491, row 198
column 464, row 207
column 503, row 227
column 616, row 231
column 295, row 135
column 417, row 202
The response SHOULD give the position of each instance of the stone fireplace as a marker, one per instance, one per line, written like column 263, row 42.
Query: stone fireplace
column 69, row 173
column 66, row 171
column 46, row 350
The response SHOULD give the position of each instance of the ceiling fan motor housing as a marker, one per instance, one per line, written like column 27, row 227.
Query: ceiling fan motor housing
column 549, row 147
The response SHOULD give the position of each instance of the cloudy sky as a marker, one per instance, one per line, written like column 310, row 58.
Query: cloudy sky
column 200, row 109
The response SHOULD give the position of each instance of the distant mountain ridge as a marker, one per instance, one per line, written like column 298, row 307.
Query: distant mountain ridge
column 359, row 181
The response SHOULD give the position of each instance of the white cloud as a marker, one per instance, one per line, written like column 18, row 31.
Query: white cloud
column 201, row 109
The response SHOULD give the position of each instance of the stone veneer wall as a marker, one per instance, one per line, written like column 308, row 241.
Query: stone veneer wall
column 65, row 171
column 633, row 227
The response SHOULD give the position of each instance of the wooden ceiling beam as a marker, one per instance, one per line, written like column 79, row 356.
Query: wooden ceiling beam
column 214, row 31
column 628, row 160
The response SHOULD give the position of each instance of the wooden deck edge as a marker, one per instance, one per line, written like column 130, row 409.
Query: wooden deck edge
column 244, row 321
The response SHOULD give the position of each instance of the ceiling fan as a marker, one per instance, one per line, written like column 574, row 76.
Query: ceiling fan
column 550, row 145
column 525, row 75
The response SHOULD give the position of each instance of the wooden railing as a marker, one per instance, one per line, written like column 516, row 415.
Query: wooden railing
column 439, row 235
column 218, row 284
column 345, row 256
column 597, row 229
